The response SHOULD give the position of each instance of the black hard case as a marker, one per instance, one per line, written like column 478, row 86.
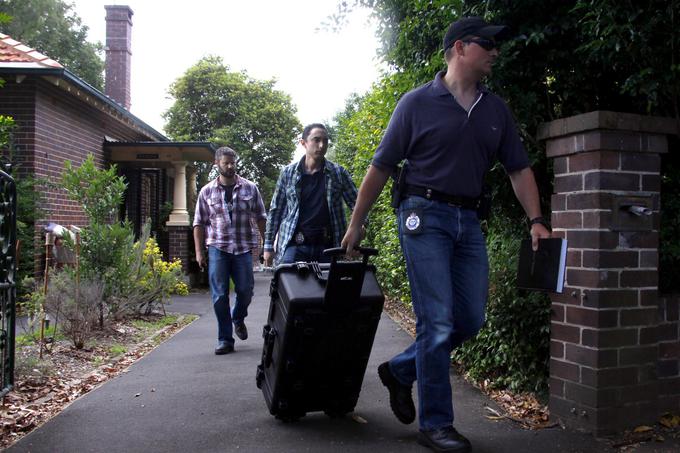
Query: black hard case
column 318, row 337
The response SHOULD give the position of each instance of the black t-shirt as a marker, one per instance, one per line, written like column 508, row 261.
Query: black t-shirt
column 314, row 216
column 228, row 195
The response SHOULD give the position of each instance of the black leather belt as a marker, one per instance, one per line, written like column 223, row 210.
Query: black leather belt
column 431, row 194
column 305, row 239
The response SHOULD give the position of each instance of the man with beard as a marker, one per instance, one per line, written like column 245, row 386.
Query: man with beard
column 226, row 209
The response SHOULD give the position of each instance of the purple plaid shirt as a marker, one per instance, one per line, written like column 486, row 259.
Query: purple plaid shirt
column 236, row 235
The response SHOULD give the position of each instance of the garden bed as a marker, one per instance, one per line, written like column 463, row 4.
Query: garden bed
column 45, row 386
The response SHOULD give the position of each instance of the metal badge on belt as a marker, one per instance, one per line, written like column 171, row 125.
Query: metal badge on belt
column 299, row 238
column 413, row 221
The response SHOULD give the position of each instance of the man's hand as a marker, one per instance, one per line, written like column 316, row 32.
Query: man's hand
column 200, row 258
column 268, row 258
column 538, row 231
column 352, row 238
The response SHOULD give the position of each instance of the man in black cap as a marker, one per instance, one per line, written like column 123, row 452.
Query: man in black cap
column 449, row 132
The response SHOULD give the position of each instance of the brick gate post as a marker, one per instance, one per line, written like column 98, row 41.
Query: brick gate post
column 604, row 346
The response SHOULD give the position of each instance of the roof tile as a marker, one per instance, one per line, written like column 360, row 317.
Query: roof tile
column 12, row 51
column 37, row 55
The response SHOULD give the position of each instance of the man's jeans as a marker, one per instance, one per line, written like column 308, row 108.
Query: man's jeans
column 221, row 267
column 305, row 252
column 448, row 270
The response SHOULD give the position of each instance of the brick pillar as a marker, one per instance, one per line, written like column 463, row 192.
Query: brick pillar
column 178, row 240
column 604, row 346
column 118, row 53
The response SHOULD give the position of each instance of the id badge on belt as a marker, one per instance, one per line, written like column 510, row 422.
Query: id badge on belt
column 412, row 221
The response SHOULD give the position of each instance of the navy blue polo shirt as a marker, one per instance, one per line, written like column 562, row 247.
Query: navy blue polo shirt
column 447, row 148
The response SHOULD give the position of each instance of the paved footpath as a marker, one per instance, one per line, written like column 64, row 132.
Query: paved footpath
column 191, row 400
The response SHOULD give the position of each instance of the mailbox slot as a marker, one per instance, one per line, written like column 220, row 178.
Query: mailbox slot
column 632, row 213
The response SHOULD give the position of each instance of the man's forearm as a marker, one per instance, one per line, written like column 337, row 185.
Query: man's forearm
column 273, row 222
column 526, row 191
column 271, row 227
column 262, row 226
column 199, row 235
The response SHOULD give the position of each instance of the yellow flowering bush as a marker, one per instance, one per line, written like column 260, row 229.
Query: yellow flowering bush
column 164, row 274
column 162, row 277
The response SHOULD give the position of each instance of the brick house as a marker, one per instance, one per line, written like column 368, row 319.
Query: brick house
column 60, row 117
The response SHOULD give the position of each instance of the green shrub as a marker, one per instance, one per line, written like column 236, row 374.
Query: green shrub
column 29, row 199
column 75, row 303
column 99, row 191
column 512, row 349
column 359, row 130
column 106, row 245
column 159, row 280
column 669, row 245
column 117, row 349
column 7, row 126
column 28, row 205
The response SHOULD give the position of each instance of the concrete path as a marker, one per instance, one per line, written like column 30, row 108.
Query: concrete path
column 193, row 401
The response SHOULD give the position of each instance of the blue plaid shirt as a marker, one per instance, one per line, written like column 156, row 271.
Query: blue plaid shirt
column 284, row 210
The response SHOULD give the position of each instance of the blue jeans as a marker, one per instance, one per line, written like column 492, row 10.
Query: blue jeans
column 448, row 272
column 305, row 252
column 221, row 267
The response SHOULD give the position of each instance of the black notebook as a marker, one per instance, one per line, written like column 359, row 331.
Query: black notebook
column 542, row 270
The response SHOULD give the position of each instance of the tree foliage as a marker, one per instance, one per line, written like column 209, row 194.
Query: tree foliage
column 53, row 28
column 567, row 57
column 99, row 191
column 230, row 108
column 106, row 244
column 7, row 125
column 28, row 203
column 359, row 130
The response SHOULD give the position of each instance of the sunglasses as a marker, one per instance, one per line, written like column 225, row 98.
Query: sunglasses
column 486, row 44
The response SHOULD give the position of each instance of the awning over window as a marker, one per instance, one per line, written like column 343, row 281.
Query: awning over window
column 159, row 154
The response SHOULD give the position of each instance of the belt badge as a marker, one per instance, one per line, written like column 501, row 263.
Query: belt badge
column 412, row 222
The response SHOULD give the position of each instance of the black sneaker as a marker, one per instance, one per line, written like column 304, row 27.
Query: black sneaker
column 445, row 439
column 401, row 400
column 224, row 347
column 241, row 331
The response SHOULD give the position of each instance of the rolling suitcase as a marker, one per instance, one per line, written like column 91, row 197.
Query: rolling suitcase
column 318, row 337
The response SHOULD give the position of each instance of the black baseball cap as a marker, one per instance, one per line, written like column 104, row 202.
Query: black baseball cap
column 475, row 26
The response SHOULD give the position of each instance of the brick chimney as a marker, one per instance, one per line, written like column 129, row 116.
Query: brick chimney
column 118, row 53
